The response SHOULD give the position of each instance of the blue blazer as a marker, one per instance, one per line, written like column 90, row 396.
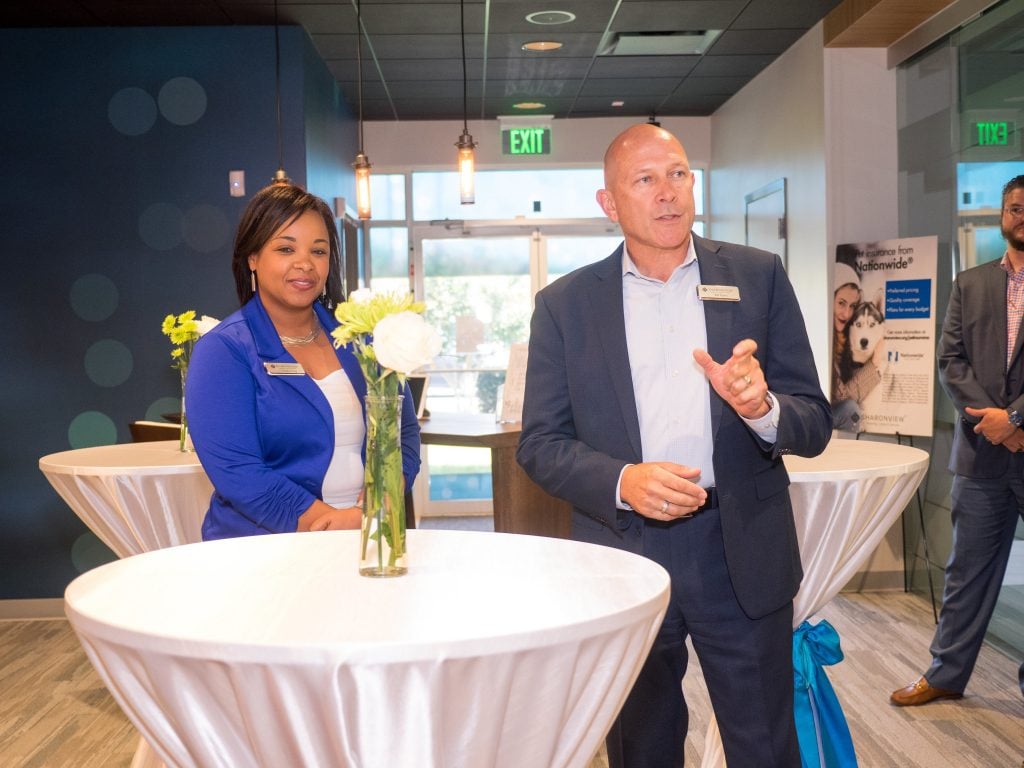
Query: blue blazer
column 580, row 424
column 266, row 441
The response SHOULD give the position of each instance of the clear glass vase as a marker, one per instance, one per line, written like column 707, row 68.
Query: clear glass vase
column 382, row 543
column 184, row 441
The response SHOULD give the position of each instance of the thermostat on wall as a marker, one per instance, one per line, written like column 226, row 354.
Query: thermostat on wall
column 236, row 183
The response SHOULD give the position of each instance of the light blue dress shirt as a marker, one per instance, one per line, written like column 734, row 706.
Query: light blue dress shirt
column 664, row 325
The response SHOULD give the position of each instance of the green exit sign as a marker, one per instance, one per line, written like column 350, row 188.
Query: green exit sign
column 526, row 141
column 993, row 134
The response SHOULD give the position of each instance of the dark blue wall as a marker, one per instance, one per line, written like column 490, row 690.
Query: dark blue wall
column 331, row 134
column 116, row 149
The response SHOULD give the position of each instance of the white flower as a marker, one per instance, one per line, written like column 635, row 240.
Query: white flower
column 205, row 324
column 404, row 342
column 361, row 296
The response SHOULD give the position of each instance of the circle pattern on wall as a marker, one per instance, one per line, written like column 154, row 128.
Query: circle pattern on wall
column 88, row 552
column 131, row 111
column 205, row 228
column 94, row 297
column 160, row 226
column 91, row 428
column 182, row 101
column 108, row 363
column 158, row 408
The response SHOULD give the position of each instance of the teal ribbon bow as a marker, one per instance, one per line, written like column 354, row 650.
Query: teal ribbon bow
column 821, row 726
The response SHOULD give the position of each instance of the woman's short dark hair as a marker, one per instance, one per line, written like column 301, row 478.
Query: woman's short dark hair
column 271, row 209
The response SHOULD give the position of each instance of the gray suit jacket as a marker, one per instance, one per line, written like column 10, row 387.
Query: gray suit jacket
column 972, row 366
column 580, row 424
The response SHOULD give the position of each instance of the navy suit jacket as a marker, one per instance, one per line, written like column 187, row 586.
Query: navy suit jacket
column 972, row 366
column 266, row 441
column 580, row 424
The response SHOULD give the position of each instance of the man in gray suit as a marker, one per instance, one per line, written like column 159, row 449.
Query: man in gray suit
column 982, row 370
column 665, row 452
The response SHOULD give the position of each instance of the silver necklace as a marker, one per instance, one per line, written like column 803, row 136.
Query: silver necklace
column 301, row 341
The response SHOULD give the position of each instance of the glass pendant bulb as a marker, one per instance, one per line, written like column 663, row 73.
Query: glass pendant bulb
column 362, row 168
column 467, row 167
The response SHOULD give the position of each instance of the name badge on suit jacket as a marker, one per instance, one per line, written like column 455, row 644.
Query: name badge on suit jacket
column 284, row 369
column 718, row 293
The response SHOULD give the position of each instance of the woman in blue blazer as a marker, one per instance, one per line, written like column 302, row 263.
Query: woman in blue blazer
column 275, row 411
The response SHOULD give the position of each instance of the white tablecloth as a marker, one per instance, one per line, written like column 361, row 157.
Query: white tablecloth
column 136, row 497
column 495, row 650
column 844, row 502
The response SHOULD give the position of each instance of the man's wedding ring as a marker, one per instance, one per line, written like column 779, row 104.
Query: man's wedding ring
column 664, row 507
column 747, row 379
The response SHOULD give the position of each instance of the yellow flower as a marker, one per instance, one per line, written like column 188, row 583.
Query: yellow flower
column 183, row 331
column 359, row 317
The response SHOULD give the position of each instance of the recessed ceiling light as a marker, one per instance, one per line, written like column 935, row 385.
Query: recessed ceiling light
column 529, row 105
column 550, row 17
column 618, row 103
column 542, row 45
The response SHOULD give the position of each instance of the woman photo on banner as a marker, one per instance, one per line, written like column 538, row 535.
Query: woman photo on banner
column 857, row 359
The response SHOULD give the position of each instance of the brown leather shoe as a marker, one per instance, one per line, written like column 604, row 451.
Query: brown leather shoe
column 919, row 693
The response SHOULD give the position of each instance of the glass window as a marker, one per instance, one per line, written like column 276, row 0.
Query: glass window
column 980, row 185
column 459, row 474
column 963, row 89
column 389, row 255
column 537, row 194
column 502, row 195
column 387, row 196
column 478, row 296
column 979, row 188
column 566, row 253
column 698, row 193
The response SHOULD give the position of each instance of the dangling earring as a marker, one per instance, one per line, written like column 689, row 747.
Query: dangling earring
column 252, row 279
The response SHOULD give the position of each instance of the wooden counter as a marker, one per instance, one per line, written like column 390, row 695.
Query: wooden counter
column 520, row 505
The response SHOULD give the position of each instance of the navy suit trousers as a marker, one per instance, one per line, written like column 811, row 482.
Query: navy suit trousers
column 985, row 514
column 747, row 663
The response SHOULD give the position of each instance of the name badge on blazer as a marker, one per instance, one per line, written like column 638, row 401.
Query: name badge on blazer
column 284, row 369
column 718, row 293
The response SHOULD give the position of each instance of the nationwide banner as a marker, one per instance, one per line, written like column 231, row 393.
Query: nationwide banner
column 883, row 336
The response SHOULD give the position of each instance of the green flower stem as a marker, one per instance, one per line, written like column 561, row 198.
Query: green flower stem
column 183, row 432
column 383, row 497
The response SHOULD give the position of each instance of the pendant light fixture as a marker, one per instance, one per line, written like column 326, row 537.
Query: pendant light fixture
column 280, row 175
column 465, row 144
column 362, row 162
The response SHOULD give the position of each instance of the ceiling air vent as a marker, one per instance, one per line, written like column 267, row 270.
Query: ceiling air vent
column 658, row 43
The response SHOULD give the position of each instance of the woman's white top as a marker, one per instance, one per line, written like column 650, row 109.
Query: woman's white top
column 344, row 478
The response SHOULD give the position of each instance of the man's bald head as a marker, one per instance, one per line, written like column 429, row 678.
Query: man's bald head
column 649, row 194
column 632, row 140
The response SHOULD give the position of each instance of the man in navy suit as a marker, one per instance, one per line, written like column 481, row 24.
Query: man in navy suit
column 981, row 367
column 664, row 383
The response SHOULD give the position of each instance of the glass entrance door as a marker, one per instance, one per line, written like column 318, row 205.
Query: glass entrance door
column 478, row 294
column 478, row 283
column 566, row 252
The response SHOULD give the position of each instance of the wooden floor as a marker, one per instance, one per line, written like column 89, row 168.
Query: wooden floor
column 55, row 712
